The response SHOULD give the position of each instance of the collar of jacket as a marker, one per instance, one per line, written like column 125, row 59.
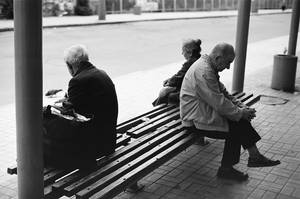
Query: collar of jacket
column 84, row 65
column 193, row 59
column 211, row 64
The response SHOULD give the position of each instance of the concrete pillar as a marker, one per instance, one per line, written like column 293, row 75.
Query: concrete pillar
column 102, row 10
column 163, row 7
column 294, row 28
column 28, row 87
column 241, row 45
column 121, row 6
column 174, row 5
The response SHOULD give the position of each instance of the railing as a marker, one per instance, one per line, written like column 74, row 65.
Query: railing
column 125, row 6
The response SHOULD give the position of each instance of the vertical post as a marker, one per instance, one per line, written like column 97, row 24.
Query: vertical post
column 294, row 28
column 212, row 4
column 174, row 5
column 241, row 45
column 28, row 88
column 204, row 6
column 102, row 10
column 195, row 4
column 163, row 7
column 121, row 6
column 185, row 5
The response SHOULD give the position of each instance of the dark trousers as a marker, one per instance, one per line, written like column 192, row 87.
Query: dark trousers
column 240, row 133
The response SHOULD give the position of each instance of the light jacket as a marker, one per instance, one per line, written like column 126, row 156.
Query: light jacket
column 204, row 100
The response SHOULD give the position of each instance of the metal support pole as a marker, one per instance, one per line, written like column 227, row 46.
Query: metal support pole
column 102, row 10
column 121, row 6
column 174, row 6
column 294, row 28
column 28, row 88
column 163, row 7
column 195, row 4
column 185, row 5
column 241, row 45
column 212, row 5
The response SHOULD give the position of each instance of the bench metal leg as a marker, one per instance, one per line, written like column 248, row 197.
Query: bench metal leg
column 134, row 188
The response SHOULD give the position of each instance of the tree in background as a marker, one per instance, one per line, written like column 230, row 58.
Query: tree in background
column 83, row 8
column 7, row 10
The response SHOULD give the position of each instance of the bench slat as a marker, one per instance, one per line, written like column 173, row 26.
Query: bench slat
column 101, row 183
column 121, row 152
column 142, row 125
column 245, row 97
column 115, row 165
column 138, row 173
column 123, row 128
column 123, row 141
column 142, row 115
column 252, row 100
column 239, row 95
column 155, row 125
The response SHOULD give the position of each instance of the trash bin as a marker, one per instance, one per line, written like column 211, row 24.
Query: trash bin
column 284, row 72
column 137, row 10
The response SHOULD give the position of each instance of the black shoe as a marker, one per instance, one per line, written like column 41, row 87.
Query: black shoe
column 261, row 161
column 201, row 141
column 232, row 174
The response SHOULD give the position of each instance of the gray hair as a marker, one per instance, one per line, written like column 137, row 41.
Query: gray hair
column 191, row 47
column 76, row 54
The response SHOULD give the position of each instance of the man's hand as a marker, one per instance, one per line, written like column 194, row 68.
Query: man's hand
column 248, row 113
column 52, row 92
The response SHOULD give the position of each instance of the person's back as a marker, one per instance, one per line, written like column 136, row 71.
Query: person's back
column 191, row 50
column 92, row 92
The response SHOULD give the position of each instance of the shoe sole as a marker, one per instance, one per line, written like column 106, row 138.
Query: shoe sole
column 265, row 165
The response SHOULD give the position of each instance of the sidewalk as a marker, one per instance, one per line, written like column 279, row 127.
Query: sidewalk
column 192, row 173
column 67, row 21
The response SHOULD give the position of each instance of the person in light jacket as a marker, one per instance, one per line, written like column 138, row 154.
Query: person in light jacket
column 206, row 108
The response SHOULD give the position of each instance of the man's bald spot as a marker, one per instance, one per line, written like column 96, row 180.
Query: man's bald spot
column 223, row 49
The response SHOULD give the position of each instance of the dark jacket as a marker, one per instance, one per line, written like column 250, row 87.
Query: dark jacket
column 92, row 92
column 175, row 81
column 67, row 144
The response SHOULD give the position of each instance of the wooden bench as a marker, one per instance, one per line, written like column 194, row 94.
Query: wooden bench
column 144, row 143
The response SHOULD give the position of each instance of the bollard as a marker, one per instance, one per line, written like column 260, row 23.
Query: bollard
column 284, row 72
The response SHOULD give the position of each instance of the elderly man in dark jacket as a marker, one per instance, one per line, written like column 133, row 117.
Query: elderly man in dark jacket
column 91, row 92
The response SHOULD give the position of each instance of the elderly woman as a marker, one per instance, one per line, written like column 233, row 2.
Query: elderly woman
column 171, row 87
column 191, row 50
column 90, row 92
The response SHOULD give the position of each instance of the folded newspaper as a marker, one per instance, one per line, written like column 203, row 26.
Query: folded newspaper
column 76, row 117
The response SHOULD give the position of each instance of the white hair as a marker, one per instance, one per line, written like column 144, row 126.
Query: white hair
column 76, row 54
